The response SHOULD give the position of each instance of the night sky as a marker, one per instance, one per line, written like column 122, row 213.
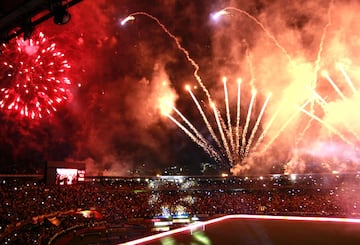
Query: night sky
column 120, row 75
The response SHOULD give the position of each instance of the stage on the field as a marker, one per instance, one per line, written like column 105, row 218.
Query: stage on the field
column 269, row 230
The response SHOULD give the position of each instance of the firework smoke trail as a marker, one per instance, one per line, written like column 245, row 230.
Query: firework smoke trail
column 336, row 88
column 317, row 67
column 262, row 136
column 253, row 132
column 193, row 137
column 191, row 126
column 230, row 132
column 341, row 94
column 226, row 146
column 328, row 126
column 127, row 19
column 321, row 46
column 251, row 68
column 243, row 143
column 237, row 130
column 208, row 125
column 321, row 101
column 224, row 11
column 323, row 104
column 284, row 126
column 347, row 78
column 178, row 44
column 222, row 122
column 197, row 134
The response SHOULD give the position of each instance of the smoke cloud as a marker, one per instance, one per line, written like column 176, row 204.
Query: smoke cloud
column 126, row 78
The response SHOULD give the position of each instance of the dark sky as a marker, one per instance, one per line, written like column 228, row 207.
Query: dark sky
column 113, row 121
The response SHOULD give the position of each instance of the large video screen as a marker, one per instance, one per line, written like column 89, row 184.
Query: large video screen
column 65, row 173
column 69, row 176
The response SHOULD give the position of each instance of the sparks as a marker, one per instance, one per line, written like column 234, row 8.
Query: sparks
column 129, row 18
column 257, row 22
column 230, row 132
column 336, row 88
column 237, row 129
column 31, row 67
column 181, row 48
column 243, row 144
column 227, row 145
column 218, row 14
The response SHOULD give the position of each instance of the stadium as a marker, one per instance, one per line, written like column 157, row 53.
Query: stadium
column 179, row 122
column 113, row 210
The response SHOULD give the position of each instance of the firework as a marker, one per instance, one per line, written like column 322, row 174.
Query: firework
column 333, row 84
column 230, row 132
column 247, row 122
column 178, row 44
column 327, row 125
column 230, row 148
column 124, row 21
column 257, row 125
column 204, row 117
column 216, row 16
column 283, row 127
column 33, row 77
column 324, row 104
column 317, row 66
column 237, row 129
column 221, row 130
column 347, row 78
column 208, row 149
column 226, row 10
column 231, row 140
column 203, row 143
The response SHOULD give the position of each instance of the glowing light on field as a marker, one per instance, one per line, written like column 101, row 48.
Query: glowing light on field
column 202, row 225
column 201, row 238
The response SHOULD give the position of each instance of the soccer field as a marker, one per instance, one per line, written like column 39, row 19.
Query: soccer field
column 267, row 230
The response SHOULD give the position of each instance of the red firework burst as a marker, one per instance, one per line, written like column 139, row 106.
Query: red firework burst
column 33, row 80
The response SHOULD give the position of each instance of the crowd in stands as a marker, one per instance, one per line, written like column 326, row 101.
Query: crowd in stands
column 28, row 207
